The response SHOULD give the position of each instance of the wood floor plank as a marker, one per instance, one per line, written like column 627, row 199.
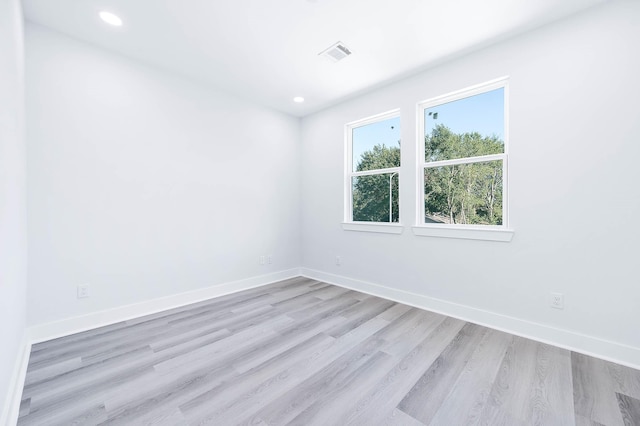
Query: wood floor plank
column 425, row 398
column 551, row 399
column 321, row 384
column 625, row 380
column 74, row 404
column 165, row 416
column 157, row 361
column 533, row 387
column 234, row 398
column 163, row 393
column 583, row 421
column 303, row 301
column 25, row 407
column 103, row 345
column 65, row 386
column 470, row 392
column 405, row 324
column 289, row 338
column 386, row 395
column 372, row 310
column 304, row 352
column 328, row 410
column 329, row 292
column 281, row 382
column 594, row 390
column 413, row 333
column 399, row 418
column 195, row 358
column 315, row 283
column 196, row 337
column 395, row 312
column 53, row 370
column 327, row 307
column 94, row 346
column 155, row 393
column 629, row 408
column 509, row 403
column 93, row 415
column 194, row 393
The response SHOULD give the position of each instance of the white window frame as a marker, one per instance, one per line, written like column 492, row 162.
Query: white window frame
column 474, row 232
column 349, row 224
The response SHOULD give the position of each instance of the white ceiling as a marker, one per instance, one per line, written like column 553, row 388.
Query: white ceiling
column 267, row 50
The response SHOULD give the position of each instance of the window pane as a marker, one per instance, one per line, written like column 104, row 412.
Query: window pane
column 464, row 194
column 376, row 145
column 371, row 198
column 468, row 127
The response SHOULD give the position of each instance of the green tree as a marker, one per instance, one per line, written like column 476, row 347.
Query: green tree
column 463, row 193
column 371, row 193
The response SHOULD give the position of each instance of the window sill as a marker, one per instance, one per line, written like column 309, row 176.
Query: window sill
column 467, row 233
column 384, row 228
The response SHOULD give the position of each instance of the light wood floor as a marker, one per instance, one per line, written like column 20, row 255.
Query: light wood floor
column 303, row 352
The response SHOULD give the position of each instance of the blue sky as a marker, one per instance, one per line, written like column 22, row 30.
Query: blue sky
column 483, row 113
column 385, row 132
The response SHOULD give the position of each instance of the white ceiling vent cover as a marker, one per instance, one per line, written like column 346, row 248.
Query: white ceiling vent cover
column 336, row 52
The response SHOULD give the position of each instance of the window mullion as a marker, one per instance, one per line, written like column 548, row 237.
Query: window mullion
column 375, row 172
column 465, row 160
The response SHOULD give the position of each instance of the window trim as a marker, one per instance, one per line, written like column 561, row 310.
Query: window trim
column 377, row 227
column 349, row 224
column 480, row 232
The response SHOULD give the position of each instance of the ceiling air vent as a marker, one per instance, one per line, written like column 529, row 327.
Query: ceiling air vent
column 336, row 52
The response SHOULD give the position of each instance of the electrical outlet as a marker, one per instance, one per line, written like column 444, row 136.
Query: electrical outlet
column 83, row 291
column 557, row 300
column 338, row 260
column 262, row 260
column 270, row 259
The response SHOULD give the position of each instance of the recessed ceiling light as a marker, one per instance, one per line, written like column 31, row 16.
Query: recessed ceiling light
column 111, row 19
column 298, row 99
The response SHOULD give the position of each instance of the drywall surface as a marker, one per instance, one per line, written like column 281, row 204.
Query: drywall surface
column 144, row 185
column 13, row 216
column 573, row 181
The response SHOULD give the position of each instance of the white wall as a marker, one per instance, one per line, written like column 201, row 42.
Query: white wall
column 144, row 185
column 574, row 176
column 13, row 234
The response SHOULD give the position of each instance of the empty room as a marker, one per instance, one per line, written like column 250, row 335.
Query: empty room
column 319, row 212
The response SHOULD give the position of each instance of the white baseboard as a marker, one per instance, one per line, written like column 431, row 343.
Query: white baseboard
column 588, row 345
column 11, row 407
column 52, row 330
